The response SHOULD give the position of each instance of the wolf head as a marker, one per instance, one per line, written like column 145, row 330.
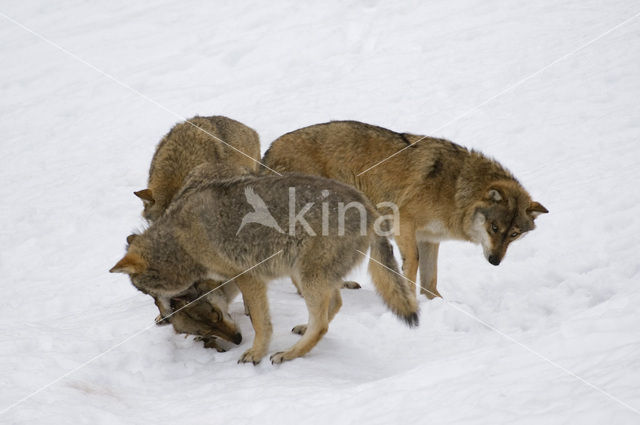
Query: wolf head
column 157, row 266
column 207, row 317
column 146, row 264
column 504, row 213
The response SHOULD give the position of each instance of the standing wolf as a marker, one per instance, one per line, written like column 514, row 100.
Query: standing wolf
column 198, row 237
column 443, row 191
column 198, row 149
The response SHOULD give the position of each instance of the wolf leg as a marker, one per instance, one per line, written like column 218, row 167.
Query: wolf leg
column 297, row 285
column 335, row 304
column 299, row 329
column 334, row 307
column 318, row 297
column 428, row 253
column 254, row 293
column 246, row 307
column 408, row 247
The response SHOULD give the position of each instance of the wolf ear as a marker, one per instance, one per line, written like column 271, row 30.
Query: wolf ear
column 131, row 238
column 145, row 195
column 130, row 264
column 535, row 209
column 494, row 195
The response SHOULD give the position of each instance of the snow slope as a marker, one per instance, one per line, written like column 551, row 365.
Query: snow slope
column 77, row 140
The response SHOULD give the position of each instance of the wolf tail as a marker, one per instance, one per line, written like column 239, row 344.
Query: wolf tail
column 397, row 292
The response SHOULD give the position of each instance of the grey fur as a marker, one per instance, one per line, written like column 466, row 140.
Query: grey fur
column 196, row 237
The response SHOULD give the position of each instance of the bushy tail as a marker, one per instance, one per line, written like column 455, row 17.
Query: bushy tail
column 395, row 290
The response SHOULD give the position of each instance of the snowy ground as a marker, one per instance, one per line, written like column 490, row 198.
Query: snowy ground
column 75, row 144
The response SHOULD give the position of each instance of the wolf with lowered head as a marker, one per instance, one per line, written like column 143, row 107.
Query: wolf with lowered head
column 205, row 234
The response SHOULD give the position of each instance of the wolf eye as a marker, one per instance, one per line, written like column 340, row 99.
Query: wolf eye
column 514, row 234
column 216, row 316
column 494, row 228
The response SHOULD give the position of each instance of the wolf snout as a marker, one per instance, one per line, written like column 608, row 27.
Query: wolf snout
column 494, row 259
column 236, row 338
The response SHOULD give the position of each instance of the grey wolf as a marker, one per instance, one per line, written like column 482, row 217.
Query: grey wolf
column 197, row 239
column 443, row 190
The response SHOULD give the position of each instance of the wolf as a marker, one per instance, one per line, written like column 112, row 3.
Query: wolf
column 443, row 191
column 213, row 140
column 197, row 239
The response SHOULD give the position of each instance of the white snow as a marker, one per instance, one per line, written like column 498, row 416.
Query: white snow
column 75, row 144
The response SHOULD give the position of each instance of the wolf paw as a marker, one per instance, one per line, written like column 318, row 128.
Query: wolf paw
column 431, row 293
column 350, row 284
column 250, row 356
column 299, row 330
column 278, row 357
column 210, row 342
